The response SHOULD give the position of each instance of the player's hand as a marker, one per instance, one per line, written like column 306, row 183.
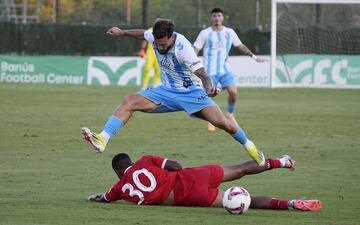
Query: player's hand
column 115, row 31
column 142, row 53
column 172, row 165
column 96, row 197
column 213, row 92
column 261, row 60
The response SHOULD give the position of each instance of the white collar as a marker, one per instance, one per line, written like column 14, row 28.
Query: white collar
column 127, row 169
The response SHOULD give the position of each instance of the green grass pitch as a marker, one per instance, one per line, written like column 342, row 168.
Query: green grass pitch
column 47, row 170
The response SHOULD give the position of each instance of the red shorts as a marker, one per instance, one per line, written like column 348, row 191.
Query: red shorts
column 198, row 186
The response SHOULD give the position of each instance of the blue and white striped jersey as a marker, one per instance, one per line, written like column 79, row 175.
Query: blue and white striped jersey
column 217, row 45
column 178, row 64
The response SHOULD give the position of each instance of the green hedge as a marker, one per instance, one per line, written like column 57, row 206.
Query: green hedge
column 64, row 39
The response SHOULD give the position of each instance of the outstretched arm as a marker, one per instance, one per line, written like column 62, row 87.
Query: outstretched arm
column 205, row 79
column 135, row 33
column 247, row 51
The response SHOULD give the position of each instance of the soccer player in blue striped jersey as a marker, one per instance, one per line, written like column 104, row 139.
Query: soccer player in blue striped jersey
column 216, row 42
column 178, row 91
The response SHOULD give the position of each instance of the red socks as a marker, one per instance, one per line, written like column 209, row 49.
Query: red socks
column 273, row 163
column 279, row 204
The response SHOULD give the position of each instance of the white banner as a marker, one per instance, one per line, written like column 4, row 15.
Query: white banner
column 249, row 73
column 128, row 71
column 115, row 70
column 319, row 71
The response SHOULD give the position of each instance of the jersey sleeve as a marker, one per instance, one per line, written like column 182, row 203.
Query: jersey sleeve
column 149, row 37
column 157, row 160
column 113, row 194
column 187, row 56
column 200, row 40
column 235, row 38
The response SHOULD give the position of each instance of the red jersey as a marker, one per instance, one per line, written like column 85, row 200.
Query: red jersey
column 145, row 182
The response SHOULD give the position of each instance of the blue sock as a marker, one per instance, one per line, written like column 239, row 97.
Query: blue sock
column 113, row 125
column 231, row 108
column 240, row 136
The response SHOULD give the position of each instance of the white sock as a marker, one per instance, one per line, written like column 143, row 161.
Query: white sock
column 105, row 136
column 248, row 144
column 282, row 161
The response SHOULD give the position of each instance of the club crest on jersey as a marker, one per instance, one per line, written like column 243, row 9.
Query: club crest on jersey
column 187, row 82
column 179, row 46
column 219, row 45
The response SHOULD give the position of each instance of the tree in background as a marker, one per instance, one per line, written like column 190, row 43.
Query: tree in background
column 97, row 12
column 185, row 13
column 46, row 13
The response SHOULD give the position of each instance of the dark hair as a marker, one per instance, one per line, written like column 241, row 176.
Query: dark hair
column 217, row 10
column 120, row 162
column 163, row 28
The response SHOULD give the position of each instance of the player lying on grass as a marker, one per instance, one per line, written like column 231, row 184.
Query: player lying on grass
column 153, row 180
column 178, row 91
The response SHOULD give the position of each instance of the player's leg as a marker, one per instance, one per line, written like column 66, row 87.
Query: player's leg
column 250, row 167
column 121, row 115
column 214, row 81
column 265, row 202
column 227, row 82
column 232, row 96
column 214, row 115
column 132, row 103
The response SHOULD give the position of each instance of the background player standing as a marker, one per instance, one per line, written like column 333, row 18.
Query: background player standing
column 216, row 42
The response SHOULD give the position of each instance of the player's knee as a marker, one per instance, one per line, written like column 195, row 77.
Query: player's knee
column 128, row 103
column 229, row 126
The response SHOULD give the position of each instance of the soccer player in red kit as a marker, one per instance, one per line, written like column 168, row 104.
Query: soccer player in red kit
column 153, row 180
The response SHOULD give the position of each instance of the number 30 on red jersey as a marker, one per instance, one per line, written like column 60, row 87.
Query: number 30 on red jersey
column 140, row 187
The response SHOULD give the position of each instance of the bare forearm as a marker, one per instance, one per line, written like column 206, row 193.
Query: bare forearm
column 245, row 50
column 205, row 79
column 135, row 33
